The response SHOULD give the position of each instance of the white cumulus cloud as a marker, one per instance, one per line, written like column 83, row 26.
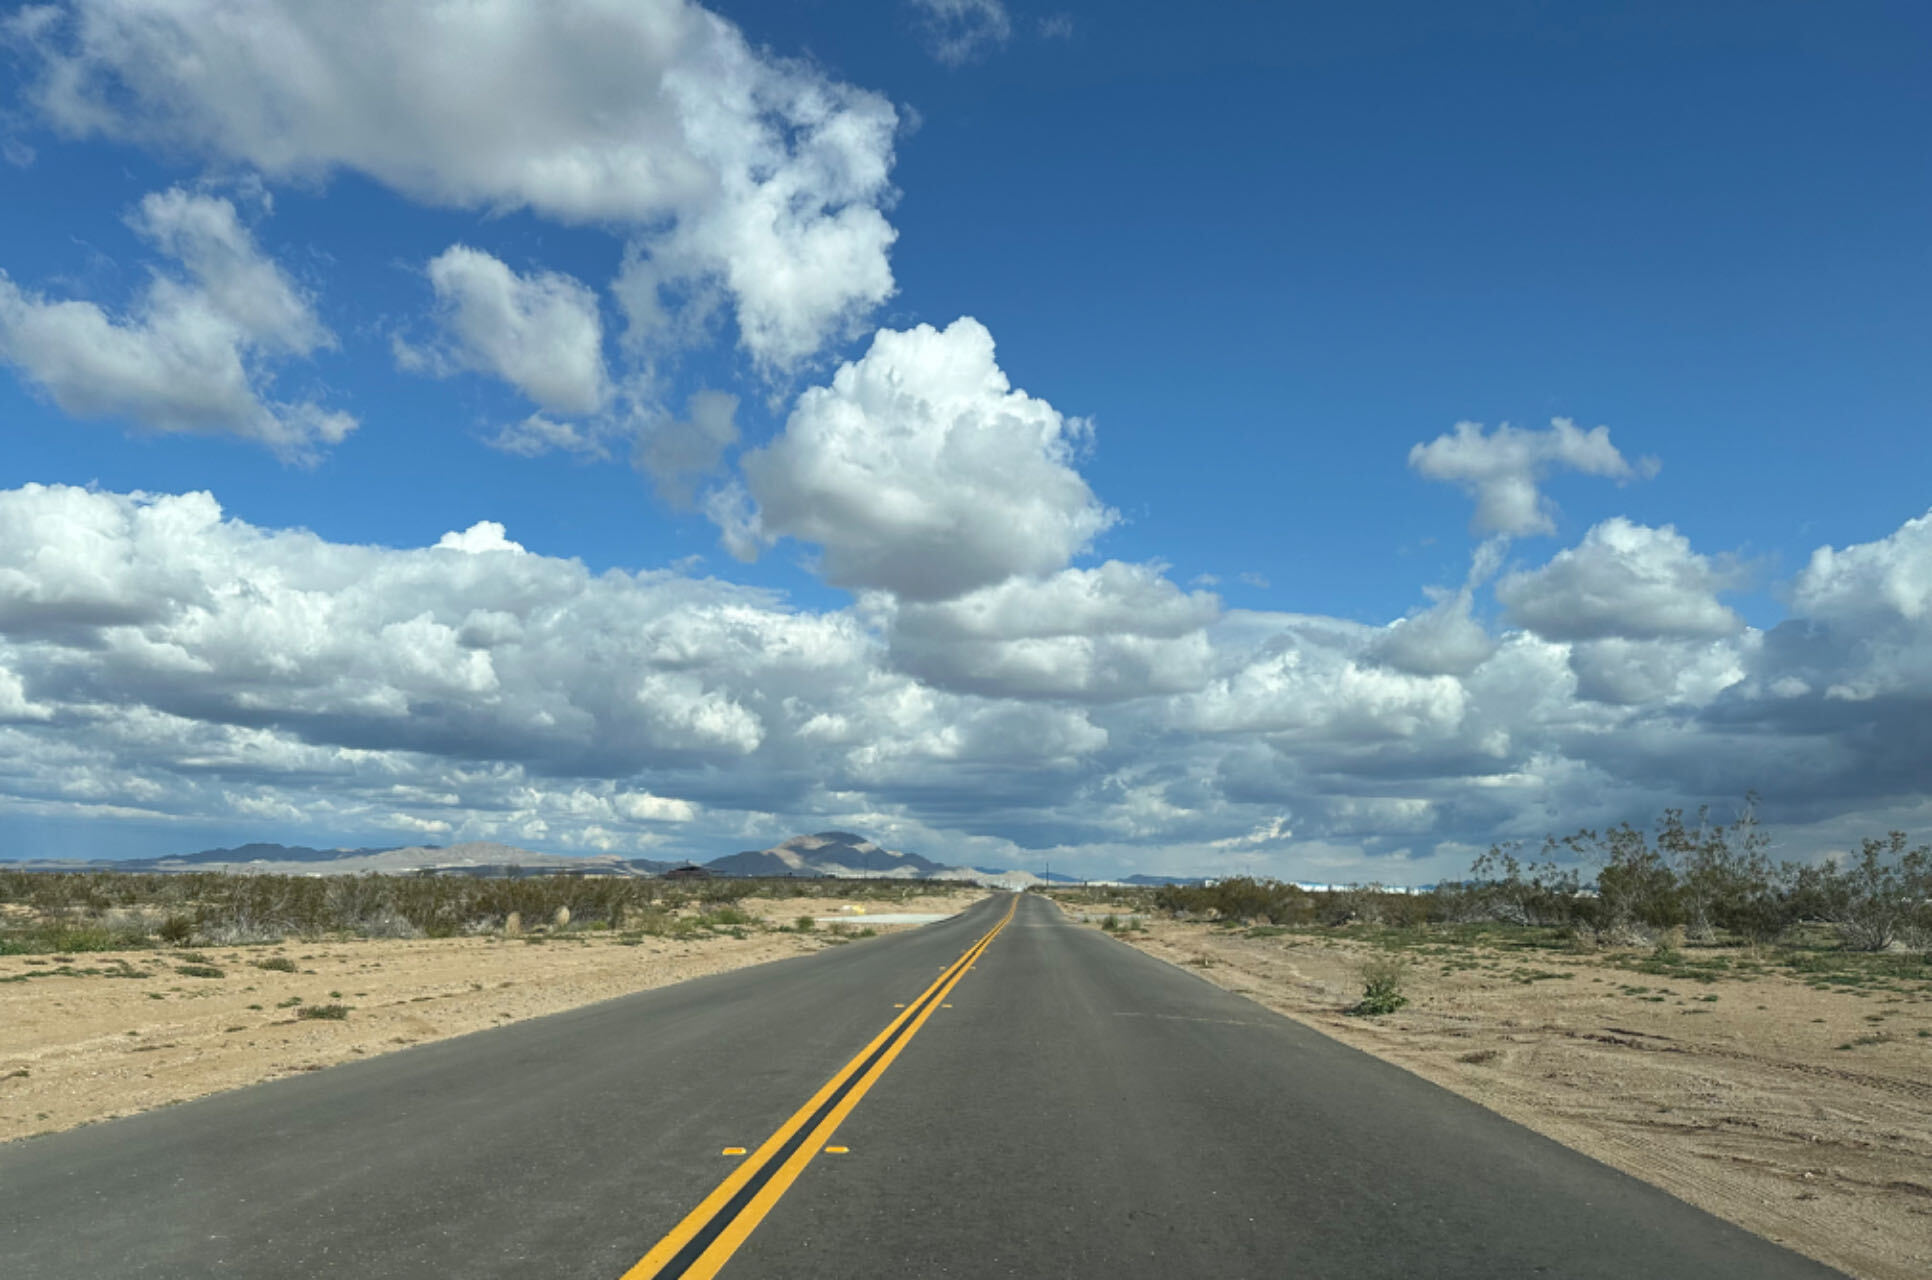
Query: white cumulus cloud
column 921, row 471
column 484, row 535
column 194, row 352
column 539, row 332
column 727, row 169
column 1625, row 580
column 1502, row 469
column 1443, row 639
column 161, row 661
column 1111, row 633
column 1887, row 579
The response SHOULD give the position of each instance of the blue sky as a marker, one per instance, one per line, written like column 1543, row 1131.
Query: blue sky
column 1250, row 257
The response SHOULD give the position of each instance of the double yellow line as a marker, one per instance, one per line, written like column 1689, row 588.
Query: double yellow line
column 698, row 1246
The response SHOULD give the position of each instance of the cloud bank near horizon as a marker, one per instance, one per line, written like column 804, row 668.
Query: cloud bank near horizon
column 161, row 662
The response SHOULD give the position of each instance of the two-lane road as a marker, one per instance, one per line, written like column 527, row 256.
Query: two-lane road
column 1065, row 1106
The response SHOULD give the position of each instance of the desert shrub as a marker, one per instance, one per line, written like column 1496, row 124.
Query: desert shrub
column 1507, row 889
column 323, row 1012
column 1702, row 878
column 279, row 964
column 1403, row 910
column 1724, row 880
column 1697, row 874
column 1239, row 898
column 1879, row 897
column 59, row 937
column 176, row 930
column 199, row 971
column 1637, row 891
column 1382, row 977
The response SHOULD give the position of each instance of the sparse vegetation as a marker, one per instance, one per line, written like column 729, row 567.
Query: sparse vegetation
column 323, row 1012
column 1701, row 882
column 1690, row 885
column 88, row 911
column 1381, row 986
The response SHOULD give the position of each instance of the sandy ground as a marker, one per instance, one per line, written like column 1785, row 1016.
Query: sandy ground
column 80, row 1042
column 1734, row 1095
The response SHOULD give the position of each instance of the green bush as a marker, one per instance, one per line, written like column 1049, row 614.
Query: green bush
column 1880, row 897
column 323, row 1012
column 1239, row 898
column 1705, row 879
column 1381, row 986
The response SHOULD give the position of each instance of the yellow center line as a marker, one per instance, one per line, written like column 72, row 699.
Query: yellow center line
column 849, row 1084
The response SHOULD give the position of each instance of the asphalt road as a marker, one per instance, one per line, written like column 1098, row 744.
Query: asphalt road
column 1066, row 1107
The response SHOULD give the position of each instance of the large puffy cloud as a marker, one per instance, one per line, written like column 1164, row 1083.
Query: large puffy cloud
column 473, row 647
column 1863, row 625
column 193, row 353
column 540, row 332
column 1887, row 581
column 1625, row 580
column 1111, row 633
column 1502, row 469
column 163, row 664
column 1639, row 672
column 1312, row 679
column 185, row 657
column 727, row 169
column 921, row 471
column 1444, row 639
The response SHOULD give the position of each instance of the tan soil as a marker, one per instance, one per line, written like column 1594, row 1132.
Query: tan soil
column 1744, row 1105
column 78, row 1049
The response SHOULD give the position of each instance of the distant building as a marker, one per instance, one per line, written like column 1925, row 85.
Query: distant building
column 689, row 871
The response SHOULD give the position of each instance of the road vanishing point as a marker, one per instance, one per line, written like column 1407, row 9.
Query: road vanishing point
column 1000, row 1094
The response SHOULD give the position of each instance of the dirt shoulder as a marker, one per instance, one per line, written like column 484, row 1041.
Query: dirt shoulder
column 103, row 1034
column 1798, row 1108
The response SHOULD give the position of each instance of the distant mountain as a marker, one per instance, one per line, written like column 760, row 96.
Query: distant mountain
column 1029, row 877
column 842, row 854
column 267, row 853
column 834, row 854
column 479, row 858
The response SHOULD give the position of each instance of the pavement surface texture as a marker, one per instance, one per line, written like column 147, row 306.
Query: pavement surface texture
column 1070, row 1107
